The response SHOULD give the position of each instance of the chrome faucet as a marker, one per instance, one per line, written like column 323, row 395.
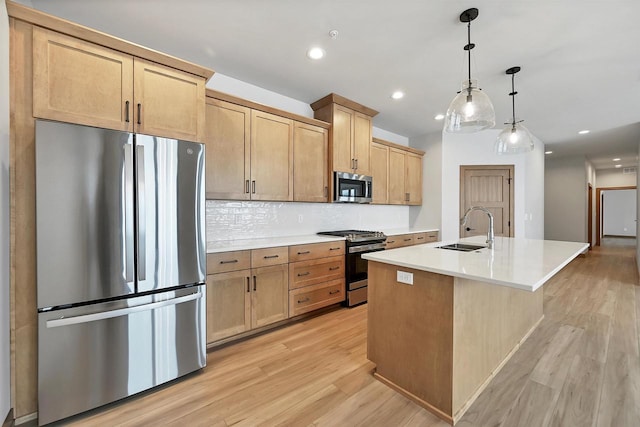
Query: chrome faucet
column 490, row 236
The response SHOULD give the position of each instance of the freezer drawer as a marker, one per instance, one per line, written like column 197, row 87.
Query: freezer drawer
column 92, row 355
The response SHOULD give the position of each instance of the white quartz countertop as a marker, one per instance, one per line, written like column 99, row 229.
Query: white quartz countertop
column 518, row 263
column 266, row 242
column 406, row 230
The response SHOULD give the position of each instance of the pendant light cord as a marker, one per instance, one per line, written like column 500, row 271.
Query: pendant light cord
column 513, row 100
column 469, row 47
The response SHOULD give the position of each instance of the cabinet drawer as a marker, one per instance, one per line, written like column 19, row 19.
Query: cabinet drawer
column 307, row 273
column 432, row 236
column 315, row 296
column 399, row 241
column 315, row 250
column 419, row 238
column 228, row 261
column 269, row 256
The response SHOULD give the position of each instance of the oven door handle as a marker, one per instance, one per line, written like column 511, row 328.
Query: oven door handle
column 367, row 248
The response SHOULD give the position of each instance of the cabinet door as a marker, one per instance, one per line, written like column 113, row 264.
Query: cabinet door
column 228, row 304
column 270, row 295
column 342, row 138
column 362, row 143
column 168, row 102
column 227, row 139
column 310, row 163
column 79, row 82
column 380, row 173
column 271, row 157
column 397, row 192
column 413, row 179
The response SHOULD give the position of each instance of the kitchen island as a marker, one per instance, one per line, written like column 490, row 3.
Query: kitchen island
column 442, row 323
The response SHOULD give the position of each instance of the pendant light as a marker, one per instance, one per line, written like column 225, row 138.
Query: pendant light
column 471, row 110
column 514, row 138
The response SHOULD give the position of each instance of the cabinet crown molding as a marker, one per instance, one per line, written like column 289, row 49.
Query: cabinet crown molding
column 398, row 146
column 333, row 98
column 41, row 19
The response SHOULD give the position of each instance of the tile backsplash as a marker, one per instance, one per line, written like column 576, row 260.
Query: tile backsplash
column 232, row 220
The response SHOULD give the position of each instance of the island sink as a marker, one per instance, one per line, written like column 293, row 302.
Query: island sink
column 462, row 247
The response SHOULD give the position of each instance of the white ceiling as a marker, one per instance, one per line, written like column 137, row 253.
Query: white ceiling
column 580, row 59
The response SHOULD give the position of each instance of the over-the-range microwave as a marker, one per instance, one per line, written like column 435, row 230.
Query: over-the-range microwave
column 352, row 188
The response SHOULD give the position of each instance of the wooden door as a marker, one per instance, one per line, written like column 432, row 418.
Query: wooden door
column 362, row 143
column 227, row 140
column 413, row 179
column 490, row 187
column 590, row 215
column 397, row 193
column 380, row 172
column 168, row 102
column 271, row 157
column 270, row 295
column 310, row 163
column 80, row 82
column 341, row 139
column 228, row 304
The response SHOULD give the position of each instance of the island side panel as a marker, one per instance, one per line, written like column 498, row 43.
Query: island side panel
column 490, row 322
column 410, row 334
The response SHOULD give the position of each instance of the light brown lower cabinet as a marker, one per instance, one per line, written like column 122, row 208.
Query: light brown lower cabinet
column 402, row 240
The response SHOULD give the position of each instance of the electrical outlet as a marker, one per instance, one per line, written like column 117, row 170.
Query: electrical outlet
column 404, row 277
column 300, row 218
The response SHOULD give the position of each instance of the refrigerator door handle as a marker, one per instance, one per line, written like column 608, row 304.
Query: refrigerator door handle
column 140, row 223
column 128, row 214
column 66, row 321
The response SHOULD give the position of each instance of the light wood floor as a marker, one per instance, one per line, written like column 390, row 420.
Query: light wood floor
column 581, row 367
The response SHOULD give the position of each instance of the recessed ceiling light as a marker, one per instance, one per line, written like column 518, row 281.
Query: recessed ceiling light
column 315, row 53
column 617, row 159
column 618, row 166
column 584, row 132
column 397, row 94
column 548, row 152
column 439, row 116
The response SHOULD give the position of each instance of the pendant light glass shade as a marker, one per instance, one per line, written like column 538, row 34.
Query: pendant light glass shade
column 470, row 111
column 514, row 139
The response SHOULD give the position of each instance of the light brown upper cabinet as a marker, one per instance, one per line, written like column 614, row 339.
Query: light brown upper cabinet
column 255, row 152
column 81, row 82
column 227, row 139
column 350, row 134
column 403, row 173
column 310, row 157
column 380, row 172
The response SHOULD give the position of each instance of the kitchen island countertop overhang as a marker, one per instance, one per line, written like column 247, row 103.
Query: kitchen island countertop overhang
column 518, row 263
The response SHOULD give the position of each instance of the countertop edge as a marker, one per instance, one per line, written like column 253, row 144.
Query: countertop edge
column 266, row 242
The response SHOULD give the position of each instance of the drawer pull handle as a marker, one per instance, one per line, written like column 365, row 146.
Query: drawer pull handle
column 333, row 268
column 246, row 186
column 304, row 253
column 334, row 249
column 126, row 118
column 420, row 238
column 337, row 291
column 139, row 113
column 254, row 283
column 300, row 301
column 270, row 256
column 248, row 285
column 407, row 240
column 233, row 261
column 303, row 274
column 390, row 241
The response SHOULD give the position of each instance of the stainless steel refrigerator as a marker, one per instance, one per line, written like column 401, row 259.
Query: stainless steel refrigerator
column 121, row 264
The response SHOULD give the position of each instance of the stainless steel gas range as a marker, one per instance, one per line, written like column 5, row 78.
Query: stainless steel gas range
column 358, row 242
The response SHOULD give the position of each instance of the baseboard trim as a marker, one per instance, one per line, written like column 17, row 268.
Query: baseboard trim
column 8, row 421
column 26, row 418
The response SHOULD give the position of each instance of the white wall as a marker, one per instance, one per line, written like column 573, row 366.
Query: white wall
column 5, row 355
column 478, row 149
column 230, row 220
column 638, row 211
column 430, row 213
column 591, row 179
column 565, row 199
column 619, row 213
column 615, row 178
